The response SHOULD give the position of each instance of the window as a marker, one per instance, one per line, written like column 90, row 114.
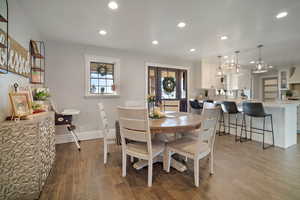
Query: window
column 102, row 76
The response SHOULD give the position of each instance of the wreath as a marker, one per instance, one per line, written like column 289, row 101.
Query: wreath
column 169, row 84
column 102, row 70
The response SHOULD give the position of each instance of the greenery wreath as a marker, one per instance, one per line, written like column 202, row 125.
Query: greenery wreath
column 102, row 70
column 169, row 84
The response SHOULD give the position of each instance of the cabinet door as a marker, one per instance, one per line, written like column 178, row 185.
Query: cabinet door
column 283, row 79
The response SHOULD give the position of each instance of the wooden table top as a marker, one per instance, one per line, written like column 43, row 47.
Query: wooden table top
column 175, row 122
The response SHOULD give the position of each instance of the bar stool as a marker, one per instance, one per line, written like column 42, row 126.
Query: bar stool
column 230, row 108
column 256, row 110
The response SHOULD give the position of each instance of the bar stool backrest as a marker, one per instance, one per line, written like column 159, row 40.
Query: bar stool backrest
column 229, row 107
column 254, row 109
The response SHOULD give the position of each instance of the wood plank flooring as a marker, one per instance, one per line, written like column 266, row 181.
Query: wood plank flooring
column 242, row 171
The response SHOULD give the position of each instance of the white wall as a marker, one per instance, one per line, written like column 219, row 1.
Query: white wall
column 22, row 30
column 65, row 78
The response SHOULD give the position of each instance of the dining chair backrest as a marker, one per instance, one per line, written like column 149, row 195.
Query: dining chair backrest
column 134, row 125
column 210, row 117
column 103, row 119
column 208, row 105
column 168, row 105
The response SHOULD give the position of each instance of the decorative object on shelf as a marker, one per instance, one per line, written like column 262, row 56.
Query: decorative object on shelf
column 169, row 84
column 102, row 70
column 21, row 105
column 102, row 90
column 37, row 61
column 289, row 93
column 16, row 85
column 260, row 65
column 4, row 51
column 113, row 87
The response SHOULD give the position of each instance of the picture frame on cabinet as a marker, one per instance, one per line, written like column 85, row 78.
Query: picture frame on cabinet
column 21, row 105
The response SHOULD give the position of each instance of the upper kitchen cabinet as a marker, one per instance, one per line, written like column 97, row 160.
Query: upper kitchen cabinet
column 283, row 79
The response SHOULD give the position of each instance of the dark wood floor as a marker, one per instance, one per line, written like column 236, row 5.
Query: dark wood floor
column 242, row 171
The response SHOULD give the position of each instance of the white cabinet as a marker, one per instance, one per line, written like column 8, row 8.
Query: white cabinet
column 283, row 79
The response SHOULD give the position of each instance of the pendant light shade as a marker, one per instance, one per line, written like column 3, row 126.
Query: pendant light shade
column 220, row 72
column 260, row 66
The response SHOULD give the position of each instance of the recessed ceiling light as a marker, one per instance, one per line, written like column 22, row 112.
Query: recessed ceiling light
column 225, row 57
column 155, row 42
column 192, row 50
column 102, row 32
column 281, row 15
column 113, row 5
column 224, row 37
column 252, row 62
column 181, row 24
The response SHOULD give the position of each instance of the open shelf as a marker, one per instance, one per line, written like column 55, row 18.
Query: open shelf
column 39, row 56
column 37, row 61
column 37, row 69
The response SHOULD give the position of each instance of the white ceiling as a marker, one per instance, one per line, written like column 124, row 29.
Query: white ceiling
column 137, row 22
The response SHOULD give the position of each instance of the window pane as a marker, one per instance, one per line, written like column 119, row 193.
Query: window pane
column 102, row 77
column 165, row 94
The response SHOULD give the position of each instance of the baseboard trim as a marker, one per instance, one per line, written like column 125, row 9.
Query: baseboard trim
column 86, row 135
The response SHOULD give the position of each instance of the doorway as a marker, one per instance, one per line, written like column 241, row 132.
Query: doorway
column 168, row 84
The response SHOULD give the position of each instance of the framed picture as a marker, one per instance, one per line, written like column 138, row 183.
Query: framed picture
column 21, row 105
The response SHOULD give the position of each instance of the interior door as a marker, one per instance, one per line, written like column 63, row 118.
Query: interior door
column 156, row 77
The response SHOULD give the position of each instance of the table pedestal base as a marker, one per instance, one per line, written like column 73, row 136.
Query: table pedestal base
column 174, row 163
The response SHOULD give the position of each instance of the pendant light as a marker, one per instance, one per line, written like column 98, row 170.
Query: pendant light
column 260, row 66
column 237, row 65
column 220, row 72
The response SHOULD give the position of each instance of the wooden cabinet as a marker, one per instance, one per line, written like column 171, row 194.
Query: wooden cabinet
column 27, row 154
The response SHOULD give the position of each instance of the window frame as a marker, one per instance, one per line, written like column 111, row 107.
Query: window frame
column 109, row 60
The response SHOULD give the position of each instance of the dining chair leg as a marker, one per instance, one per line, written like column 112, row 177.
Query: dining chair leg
column 131, row 159
column 124, row 159
column 150, row 169
column 196, row 172
column 105, row 151
column 167, row 160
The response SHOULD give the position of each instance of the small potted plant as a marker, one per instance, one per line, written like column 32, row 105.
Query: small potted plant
column 40, row 96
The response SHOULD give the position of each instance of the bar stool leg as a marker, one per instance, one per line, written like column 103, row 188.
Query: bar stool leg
column 264, row 124
column 236, row 127
column 229, row 123
column 242, row 128
column 272, row 130
column 250, row 128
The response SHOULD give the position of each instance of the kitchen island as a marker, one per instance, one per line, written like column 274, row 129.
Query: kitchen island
column 284, row 122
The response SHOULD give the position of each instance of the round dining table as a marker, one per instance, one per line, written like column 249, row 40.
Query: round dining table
column 172, row 123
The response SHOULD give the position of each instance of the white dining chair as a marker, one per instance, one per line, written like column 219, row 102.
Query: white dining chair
column 132, row 103
column 134, row 126
column 108, row 135
column 171, row 106
column 199, row 148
